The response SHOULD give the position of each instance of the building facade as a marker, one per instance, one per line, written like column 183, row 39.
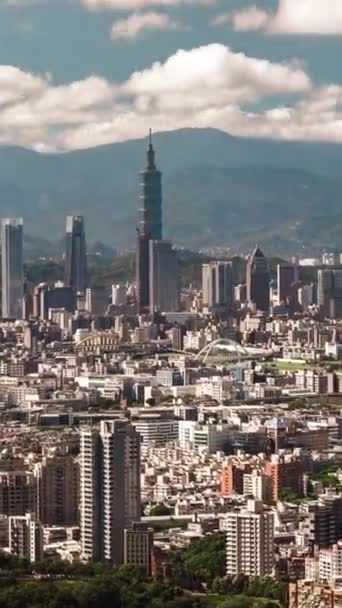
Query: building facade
column 26, row 537
column 217, row 285
column 12, row 268
column 163, row 277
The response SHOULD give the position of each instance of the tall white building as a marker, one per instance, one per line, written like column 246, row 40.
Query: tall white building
column 12, row 268
column 25, row 537
column 109, row 488
column 163, row 277
column 250, row 534
column 217, row 284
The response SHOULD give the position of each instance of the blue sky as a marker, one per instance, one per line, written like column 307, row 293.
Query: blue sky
column 72, row 43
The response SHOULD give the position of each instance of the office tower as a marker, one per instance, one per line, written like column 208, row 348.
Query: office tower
column 26, row 537
column 149, row 224
column 75, row 271
column 138, row 547
column 58, row 490
column 109, row 488
column 163, row 277
column 58, row 296
column 96, row 300
column 329, row 293
column 12, row 268
column 217, row 284
column 249, row 547
column 257, row 279
column 286, row 282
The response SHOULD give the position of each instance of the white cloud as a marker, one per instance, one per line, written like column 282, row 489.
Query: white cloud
column 210, row 86
column 315, row 17
column 132, row 5
column 250, row 19
column 126, row 29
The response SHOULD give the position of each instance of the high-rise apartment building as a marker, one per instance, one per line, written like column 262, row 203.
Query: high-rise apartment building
column 149, row 224
column 12, row 268
column 75, row 272
column 258, row 280
column 322, row 522
column 26, row 537
column 109, row 488
column 217, row 284
column 163, row 277
column 286, row 472
column 232, row 478
column 250, row 534
column 58, row 490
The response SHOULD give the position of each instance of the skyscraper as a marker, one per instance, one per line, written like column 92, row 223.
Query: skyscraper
column 149, row 224
column 257, row 279
column 75, row 272
column 109, row 488
column 217, row 284
column 163, row 277
column 12, row 267
column 329, row 293
column 286, row 276
column 58, row 490
column 150, row 211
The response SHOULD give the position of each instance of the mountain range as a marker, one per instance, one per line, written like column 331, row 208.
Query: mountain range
column 217, row 190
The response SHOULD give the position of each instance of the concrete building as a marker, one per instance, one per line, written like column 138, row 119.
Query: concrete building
column 58, row 490
column 12, row 268
column 308, row 594
column 156, row 430
column 138, row 547
column 18, row 492
column 217, row 285
column 232, row 478
column 96, row 300
column 286, row 472
column 258, row 485
column 109, row 488
column 249, row 548
column 322, row 520
column 26, row 537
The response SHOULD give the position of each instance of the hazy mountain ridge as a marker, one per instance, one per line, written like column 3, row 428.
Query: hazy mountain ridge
column 218, row 190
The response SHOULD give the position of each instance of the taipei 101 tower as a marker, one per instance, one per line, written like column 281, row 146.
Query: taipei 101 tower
column 149, row 224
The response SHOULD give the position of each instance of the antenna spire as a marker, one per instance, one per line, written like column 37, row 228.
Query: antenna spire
column 150, row 153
